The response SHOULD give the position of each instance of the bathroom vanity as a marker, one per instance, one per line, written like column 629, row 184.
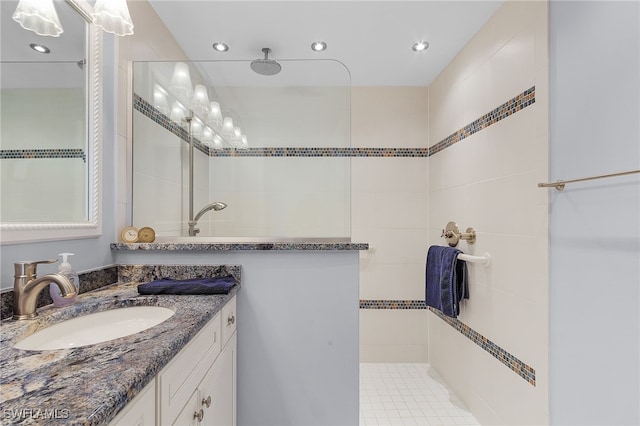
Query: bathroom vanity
column 169, row 371
column 199, row 383
column 298, row 348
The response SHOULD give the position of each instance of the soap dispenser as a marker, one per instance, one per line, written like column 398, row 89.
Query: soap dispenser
column 54, row 291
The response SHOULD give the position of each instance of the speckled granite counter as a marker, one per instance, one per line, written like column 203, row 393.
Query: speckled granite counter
column 89, row 385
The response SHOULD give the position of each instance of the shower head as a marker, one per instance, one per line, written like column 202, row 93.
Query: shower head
column 213, row 206
column 266, row 66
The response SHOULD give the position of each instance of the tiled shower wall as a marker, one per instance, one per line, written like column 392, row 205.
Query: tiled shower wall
column 390, row 212
column 151, row 42
column 54, row 160
column 488, row 181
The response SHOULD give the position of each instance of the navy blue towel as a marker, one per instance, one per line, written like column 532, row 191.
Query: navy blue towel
column 215, row 285
column 446, row 280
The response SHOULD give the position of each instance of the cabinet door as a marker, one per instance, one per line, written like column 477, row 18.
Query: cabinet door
column 229, row 320
column 191, row 414
column 218, row 389
column 141, row 411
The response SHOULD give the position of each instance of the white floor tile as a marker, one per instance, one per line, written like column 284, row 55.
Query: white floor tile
column 408, row 394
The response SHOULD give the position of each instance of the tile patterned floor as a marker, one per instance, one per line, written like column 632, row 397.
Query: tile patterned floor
column 408, row 394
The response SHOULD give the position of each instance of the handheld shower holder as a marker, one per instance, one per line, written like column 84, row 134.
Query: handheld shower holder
column 452, row 234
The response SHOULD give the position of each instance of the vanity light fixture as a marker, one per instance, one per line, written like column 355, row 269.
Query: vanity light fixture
column 113, row 17
column 38, row 16
column 318, row 46
column 220, row 47
column 39, row 48
column 160, row 99
column 178, row 112
column 215, row 115
column 227, row 127
column 420, row 46
column 200, row 101
column 217, row 142
column 181, row 82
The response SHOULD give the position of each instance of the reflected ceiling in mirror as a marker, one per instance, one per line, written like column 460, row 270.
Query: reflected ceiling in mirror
column 50, row 128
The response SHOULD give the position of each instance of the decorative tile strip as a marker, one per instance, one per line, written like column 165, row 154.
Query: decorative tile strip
column 149, row 111
column 14, row 154
column 510, row 107
column 392, row 304
column 519, row 367
column 523, row 100
column 320, row 152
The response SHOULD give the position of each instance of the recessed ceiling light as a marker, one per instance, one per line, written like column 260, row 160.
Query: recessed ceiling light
column 220, row 47
column 318, row 46
column 420, row 46
column 39, row 48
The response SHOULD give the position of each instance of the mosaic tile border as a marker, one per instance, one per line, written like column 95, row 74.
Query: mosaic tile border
column 149, row 111
column 15, row 154
column 520, row 368
column 521, row 101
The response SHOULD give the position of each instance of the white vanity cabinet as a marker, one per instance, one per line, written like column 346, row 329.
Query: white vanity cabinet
column 141, row 411
column 198, row 386
column 213, row 402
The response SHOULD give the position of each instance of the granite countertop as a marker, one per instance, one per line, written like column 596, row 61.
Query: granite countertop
column 241, row 244
column 90, row 385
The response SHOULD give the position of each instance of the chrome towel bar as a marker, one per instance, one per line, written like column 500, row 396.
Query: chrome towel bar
column 559, row 185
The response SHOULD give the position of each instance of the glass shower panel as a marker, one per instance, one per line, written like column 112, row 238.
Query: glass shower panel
column 281, row 169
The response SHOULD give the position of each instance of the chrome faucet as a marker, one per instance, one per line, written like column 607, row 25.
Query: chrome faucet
column 192, row 223
column 26, row 288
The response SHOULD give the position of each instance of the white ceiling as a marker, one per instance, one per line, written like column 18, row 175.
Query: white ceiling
column 372, row 39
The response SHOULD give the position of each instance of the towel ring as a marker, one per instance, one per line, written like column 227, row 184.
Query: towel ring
column 452, row 234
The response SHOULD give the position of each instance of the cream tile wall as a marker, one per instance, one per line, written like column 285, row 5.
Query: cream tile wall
column 488, row 181
column 389, row 211
column 151, row 42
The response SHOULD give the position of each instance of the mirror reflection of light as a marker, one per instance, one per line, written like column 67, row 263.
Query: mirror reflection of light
column 178, row 112
column 40, row 48
column 160, row 99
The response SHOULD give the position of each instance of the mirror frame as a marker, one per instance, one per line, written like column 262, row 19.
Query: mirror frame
column 16, row 233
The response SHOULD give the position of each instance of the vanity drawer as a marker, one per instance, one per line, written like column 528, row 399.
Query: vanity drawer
column 177, row 381
column 229, row 319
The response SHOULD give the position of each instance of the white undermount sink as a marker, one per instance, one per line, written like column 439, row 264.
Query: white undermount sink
column 95, row 328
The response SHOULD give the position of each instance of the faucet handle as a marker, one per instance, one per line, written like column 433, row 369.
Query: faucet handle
column 28, row 267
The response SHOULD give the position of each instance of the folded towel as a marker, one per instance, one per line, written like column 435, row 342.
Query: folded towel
column 446, row 280
column 215, row 285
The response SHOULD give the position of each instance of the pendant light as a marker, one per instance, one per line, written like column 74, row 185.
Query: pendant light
column 113, row 17
column 38, row 16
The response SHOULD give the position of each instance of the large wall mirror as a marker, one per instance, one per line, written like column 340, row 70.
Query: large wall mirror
column 50, row 128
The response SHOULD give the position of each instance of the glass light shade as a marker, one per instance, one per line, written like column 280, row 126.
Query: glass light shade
column 38, row 16
column 113, row 17
column 227, row 127
column 160, row 99
column 200, row 101
column 181, row 82
column 207, row 136
column 215, row 115
column 197, row 128
column 245, row 142
column 177, row 112
column 237, row 134
column 217, row 142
